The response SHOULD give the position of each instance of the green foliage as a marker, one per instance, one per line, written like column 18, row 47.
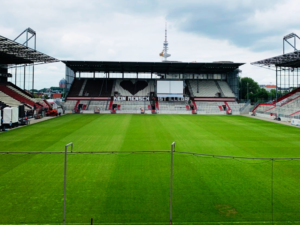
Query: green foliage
column 34, row 90
column 249, row 89
column 255, row 92
column 134, row 188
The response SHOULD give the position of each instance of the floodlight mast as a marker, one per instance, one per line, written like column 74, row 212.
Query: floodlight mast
column 289, row 36
column 33, row 34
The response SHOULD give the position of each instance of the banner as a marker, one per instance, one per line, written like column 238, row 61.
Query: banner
column 142, row 99
column 295, row 122
column 173, row 99
column 132, row 99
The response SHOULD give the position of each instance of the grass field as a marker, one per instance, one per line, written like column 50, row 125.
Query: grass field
column 133, row 188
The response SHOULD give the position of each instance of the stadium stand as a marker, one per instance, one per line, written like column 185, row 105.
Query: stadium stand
column 134, row 87
column 103, row 105
column 131, row 106
column 173, row 106
column 225, row 89
column 76, row 87
column 91, row 87
column 22, row 93
column 287, row 106
column 264, row 107
column 236, row 107
column 6, row 99
column 19, row 96
column 206, row 88
column 211, row 107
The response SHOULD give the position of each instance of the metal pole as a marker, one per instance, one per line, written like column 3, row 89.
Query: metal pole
column 272, row 194
column 171, row 186
column 32, row 79
column 247, row 91
column 16, row 75
column 24, row 77
column 27, row 38
column 276, row 85
column 65, row 180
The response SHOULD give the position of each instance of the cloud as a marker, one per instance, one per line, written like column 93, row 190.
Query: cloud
column 243, row 23
column 116, row 30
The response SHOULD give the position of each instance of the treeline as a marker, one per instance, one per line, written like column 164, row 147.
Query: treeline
column 255, row 92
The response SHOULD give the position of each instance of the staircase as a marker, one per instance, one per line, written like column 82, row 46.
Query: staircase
column 190, row 88
column 82, row 88
column 156, row 105
column 113, row 88
column 228, row 108
column 88, row 105
column 217, row 84
column 76, row 105
column 110, row 105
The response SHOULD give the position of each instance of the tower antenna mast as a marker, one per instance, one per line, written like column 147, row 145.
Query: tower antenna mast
column 164, row 53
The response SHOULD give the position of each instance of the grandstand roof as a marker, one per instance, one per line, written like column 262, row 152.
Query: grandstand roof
column 151, row 67
column 286, row 60
column 12, row 52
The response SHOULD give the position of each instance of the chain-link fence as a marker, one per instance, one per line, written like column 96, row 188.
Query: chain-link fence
column 133, row 187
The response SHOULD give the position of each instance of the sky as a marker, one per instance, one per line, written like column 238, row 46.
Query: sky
column 121, row 30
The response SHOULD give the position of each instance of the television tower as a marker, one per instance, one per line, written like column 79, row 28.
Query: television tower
column 164, row 53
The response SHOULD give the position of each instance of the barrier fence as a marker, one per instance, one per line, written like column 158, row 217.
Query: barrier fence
column 114, row 187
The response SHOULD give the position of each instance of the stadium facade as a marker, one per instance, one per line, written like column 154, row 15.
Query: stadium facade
column 135, row 87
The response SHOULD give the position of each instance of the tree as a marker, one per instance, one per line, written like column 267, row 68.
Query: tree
column 263, row 94
column 252, row 86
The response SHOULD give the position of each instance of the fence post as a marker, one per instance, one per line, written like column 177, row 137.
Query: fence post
column 171, row 185
column 65, row 180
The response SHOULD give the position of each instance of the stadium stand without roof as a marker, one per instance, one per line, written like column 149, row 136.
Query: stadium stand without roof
column 288, row 105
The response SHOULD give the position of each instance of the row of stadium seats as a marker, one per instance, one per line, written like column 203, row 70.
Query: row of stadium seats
column 91, row 87
column 106, row 87
column 20, row 96
column 205, row 88
column 103, row 105
column 10, row 101
column 134, row 87
column 288, row 106
column 226, row 89
column 98, row 87
column 264, row 107
column 211, row 89
column 218, row 107
column 126, row 106
column 173, row 106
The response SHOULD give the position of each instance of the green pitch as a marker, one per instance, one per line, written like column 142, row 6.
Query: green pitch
column 135, row 188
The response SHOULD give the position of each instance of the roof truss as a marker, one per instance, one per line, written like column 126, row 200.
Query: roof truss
column 14, row 53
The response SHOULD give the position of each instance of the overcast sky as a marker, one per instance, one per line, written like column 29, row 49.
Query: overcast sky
column 119, row 30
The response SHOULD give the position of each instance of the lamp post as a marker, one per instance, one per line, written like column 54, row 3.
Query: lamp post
column 247, row 91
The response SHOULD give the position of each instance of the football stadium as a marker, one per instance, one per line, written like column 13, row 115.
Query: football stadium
column 147, row 143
